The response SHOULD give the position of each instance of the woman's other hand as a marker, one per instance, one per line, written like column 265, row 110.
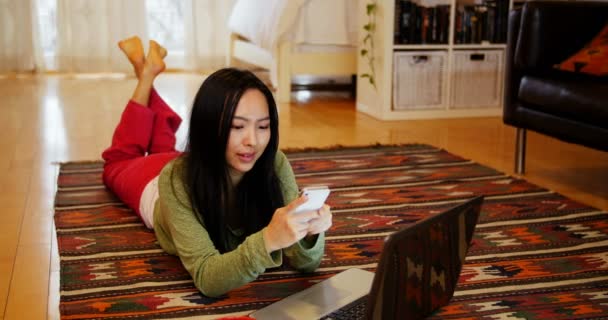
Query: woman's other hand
column 288, row 227
column 321, row 222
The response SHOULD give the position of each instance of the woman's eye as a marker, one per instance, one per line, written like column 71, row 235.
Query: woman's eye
column 237, row 127
column 265, row 127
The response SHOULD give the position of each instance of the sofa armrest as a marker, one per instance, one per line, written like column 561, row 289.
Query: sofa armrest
column 512, row 73
column 551, row 31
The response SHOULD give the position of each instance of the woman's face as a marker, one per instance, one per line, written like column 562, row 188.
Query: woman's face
column 249, row 134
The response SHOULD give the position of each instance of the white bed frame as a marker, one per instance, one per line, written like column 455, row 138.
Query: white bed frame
column 290, row 63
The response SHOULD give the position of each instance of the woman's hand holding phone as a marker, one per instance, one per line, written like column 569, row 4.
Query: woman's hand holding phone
column 287, row 227
column 293, row 222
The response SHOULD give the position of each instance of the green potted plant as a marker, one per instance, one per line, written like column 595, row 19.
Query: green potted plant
column 367, row 50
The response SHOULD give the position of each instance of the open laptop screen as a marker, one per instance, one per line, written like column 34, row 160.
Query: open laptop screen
column 420, row 265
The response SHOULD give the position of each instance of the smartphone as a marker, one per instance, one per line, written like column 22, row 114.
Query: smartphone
column 316, row 198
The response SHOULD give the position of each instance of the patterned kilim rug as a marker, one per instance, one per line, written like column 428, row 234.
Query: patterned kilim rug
column 536, row 254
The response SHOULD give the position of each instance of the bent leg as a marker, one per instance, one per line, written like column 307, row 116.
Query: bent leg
column 165, row 125
column 127, row 169
column 132, row 134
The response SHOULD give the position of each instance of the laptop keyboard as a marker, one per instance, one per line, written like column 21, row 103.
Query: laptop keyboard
column 353, row 310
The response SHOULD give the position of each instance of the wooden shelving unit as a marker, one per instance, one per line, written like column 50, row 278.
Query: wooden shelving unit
column 446, row 69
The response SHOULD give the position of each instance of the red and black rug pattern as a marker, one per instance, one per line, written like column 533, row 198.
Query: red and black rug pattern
column 535, row 254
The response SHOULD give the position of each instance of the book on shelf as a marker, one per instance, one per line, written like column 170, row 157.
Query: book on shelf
column 480, row 21
column 421, row 21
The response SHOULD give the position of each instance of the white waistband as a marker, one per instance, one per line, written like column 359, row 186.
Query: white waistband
column 147, row 202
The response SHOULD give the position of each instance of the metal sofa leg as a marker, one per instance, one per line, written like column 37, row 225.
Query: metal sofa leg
column 520, row 151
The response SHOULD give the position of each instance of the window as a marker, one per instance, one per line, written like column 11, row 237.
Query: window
column 47, row 25
column 165, row 23
column 164, row 20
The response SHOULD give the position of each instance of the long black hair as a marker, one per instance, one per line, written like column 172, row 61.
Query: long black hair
column 207, row 178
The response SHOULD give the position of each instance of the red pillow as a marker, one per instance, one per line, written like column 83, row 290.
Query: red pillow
column 592, row 59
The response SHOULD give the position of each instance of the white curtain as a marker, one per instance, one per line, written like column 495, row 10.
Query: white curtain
column 82, row 35
column 17, row 52
column 88, row 32
column 206, row 33
column 195, row 32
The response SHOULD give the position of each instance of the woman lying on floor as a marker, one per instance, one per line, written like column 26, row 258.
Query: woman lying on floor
column 226, row 205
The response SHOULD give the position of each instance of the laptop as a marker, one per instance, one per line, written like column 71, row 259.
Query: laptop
column 417, row 273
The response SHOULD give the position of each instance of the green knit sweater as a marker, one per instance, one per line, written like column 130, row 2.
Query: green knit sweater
column 180, row 233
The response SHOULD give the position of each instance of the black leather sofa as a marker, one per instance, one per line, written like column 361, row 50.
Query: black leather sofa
column 568, row 106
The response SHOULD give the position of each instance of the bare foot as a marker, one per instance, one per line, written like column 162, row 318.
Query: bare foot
column 154, row 64
column 161, row 50
column 134, row 51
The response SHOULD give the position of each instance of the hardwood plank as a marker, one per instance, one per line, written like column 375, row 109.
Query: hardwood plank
column 28, row 293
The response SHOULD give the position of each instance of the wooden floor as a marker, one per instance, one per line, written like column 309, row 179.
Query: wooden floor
column 49, row 119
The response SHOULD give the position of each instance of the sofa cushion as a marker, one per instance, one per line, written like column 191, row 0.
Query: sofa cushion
column 585, row 101
column 592, row 59
column 552, row 31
